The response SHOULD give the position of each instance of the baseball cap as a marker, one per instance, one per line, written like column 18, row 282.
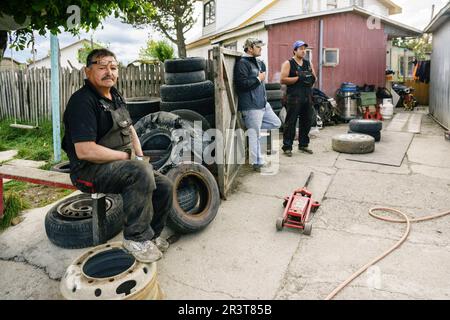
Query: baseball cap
column 250, row 42
column 298, row 44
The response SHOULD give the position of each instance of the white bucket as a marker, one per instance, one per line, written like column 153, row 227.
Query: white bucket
column 387, row 111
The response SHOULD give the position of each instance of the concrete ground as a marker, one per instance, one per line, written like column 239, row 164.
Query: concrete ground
column 242, row 256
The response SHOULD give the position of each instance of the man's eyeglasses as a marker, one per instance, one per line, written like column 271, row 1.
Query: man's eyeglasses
column 104, row 63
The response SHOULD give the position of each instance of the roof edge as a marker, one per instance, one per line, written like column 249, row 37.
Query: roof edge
column 437, row 19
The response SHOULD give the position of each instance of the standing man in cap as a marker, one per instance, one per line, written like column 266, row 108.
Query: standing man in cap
column 249, row 77
column 299, row 76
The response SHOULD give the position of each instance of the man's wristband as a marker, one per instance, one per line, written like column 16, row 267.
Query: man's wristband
column 139, row 158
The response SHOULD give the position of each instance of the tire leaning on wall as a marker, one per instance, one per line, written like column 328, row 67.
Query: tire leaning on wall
column 198, row 177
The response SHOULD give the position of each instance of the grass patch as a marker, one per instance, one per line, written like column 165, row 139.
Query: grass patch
column 13, row 203
column 35, row 144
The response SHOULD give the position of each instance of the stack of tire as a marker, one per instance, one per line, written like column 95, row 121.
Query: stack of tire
column 186, row 87
column 274, row 96
column 369, row 127
column 196, row 195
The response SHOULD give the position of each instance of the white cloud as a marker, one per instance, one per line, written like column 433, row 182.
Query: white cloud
column 417, row 13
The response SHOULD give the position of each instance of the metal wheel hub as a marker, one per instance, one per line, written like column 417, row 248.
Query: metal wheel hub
column 79, row 209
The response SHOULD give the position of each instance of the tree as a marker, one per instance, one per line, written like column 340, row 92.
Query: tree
column 161, row 50
column 87, row 48
column 173, row 18
column 51, row 15
column 420, row 46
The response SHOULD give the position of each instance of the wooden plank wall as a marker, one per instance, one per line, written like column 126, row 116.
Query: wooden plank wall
column 422, row 91
column 25, row 94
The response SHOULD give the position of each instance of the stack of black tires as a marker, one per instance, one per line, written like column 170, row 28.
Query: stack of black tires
column 369, row 127
column 275, row 96
column 186, row 87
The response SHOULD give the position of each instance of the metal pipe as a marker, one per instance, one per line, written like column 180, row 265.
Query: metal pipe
column 320, row 54
column 54, row 56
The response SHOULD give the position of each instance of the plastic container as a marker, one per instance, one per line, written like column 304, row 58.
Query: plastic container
column 387, row 101
column 387, row 111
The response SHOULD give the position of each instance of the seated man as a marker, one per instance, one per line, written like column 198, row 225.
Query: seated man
column 106, row 157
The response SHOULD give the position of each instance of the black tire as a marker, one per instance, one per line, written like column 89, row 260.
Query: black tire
column 185, row 65
column 157, row 144
column 273, row 86
column 140, row 107
column 353, row 143
column 202, row 106
column 187, row 198
column 184, row 77
column 199, row 217
column 185, row 92
column 274, row 95
column 365, row 126
column 70, row 233
column 63, row 167
column 375, row 135
column 192, row 116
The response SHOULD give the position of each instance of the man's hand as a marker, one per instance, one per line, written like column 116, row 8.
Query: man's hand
column 262, row 76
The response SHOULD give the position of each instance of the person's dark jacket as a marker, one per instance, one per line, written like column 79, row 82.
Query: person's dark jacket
column 251, row 92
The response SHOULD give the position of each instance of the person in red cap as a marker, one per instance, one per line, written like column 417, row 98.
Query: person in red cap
column 299, row 76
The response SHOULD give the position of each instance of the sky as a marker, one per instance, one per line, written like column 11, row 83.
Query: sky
column 126, row 41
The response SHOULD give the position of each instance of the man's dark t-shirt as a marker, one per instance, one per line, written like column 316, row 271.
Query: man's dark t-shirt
column 85, row 120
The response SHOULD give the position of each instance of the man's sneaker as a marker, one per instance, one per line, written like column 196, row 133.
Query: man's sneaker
column 161, row 243
column 145, row 251
column 306, row 150
column 288, row 153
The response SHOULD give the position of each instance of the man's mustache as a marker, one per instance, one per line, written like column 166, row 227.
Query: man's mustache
column 107, row 78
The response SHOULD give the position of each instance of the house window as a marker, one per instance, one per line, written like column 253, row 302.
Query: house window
column 331, row 4
column 307, row 6
column 331, row 57
column 209, row 13
column 410, row 67
column 231, row 46
column 308, row 55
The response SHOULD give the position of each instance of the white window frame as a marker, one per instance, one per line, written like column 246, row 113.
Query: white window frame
column 332, row 4
column 309, row 56
column 211, row 19
column 231, row 45
column 328, row 63
column 307, row 6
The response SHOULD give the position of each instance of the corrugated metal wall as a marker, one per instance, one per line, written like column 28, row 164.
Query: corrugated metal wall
column 362, row 51
column 440, row 75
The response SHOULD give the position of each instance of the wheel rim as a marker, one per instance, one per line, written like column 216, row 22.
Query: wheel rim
column 79, row 209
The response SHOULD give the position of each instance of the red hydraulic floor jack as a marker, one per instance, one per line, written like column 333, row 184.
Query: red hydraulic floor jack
column 298, row 207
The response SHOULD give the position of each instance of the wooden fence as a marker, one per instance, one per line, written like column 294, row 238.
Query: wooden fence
column 25, row 94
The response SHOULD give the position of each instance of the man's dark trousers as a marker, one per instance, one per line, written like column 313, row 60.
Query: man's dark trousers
column 298, row 107
column 145, row 217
